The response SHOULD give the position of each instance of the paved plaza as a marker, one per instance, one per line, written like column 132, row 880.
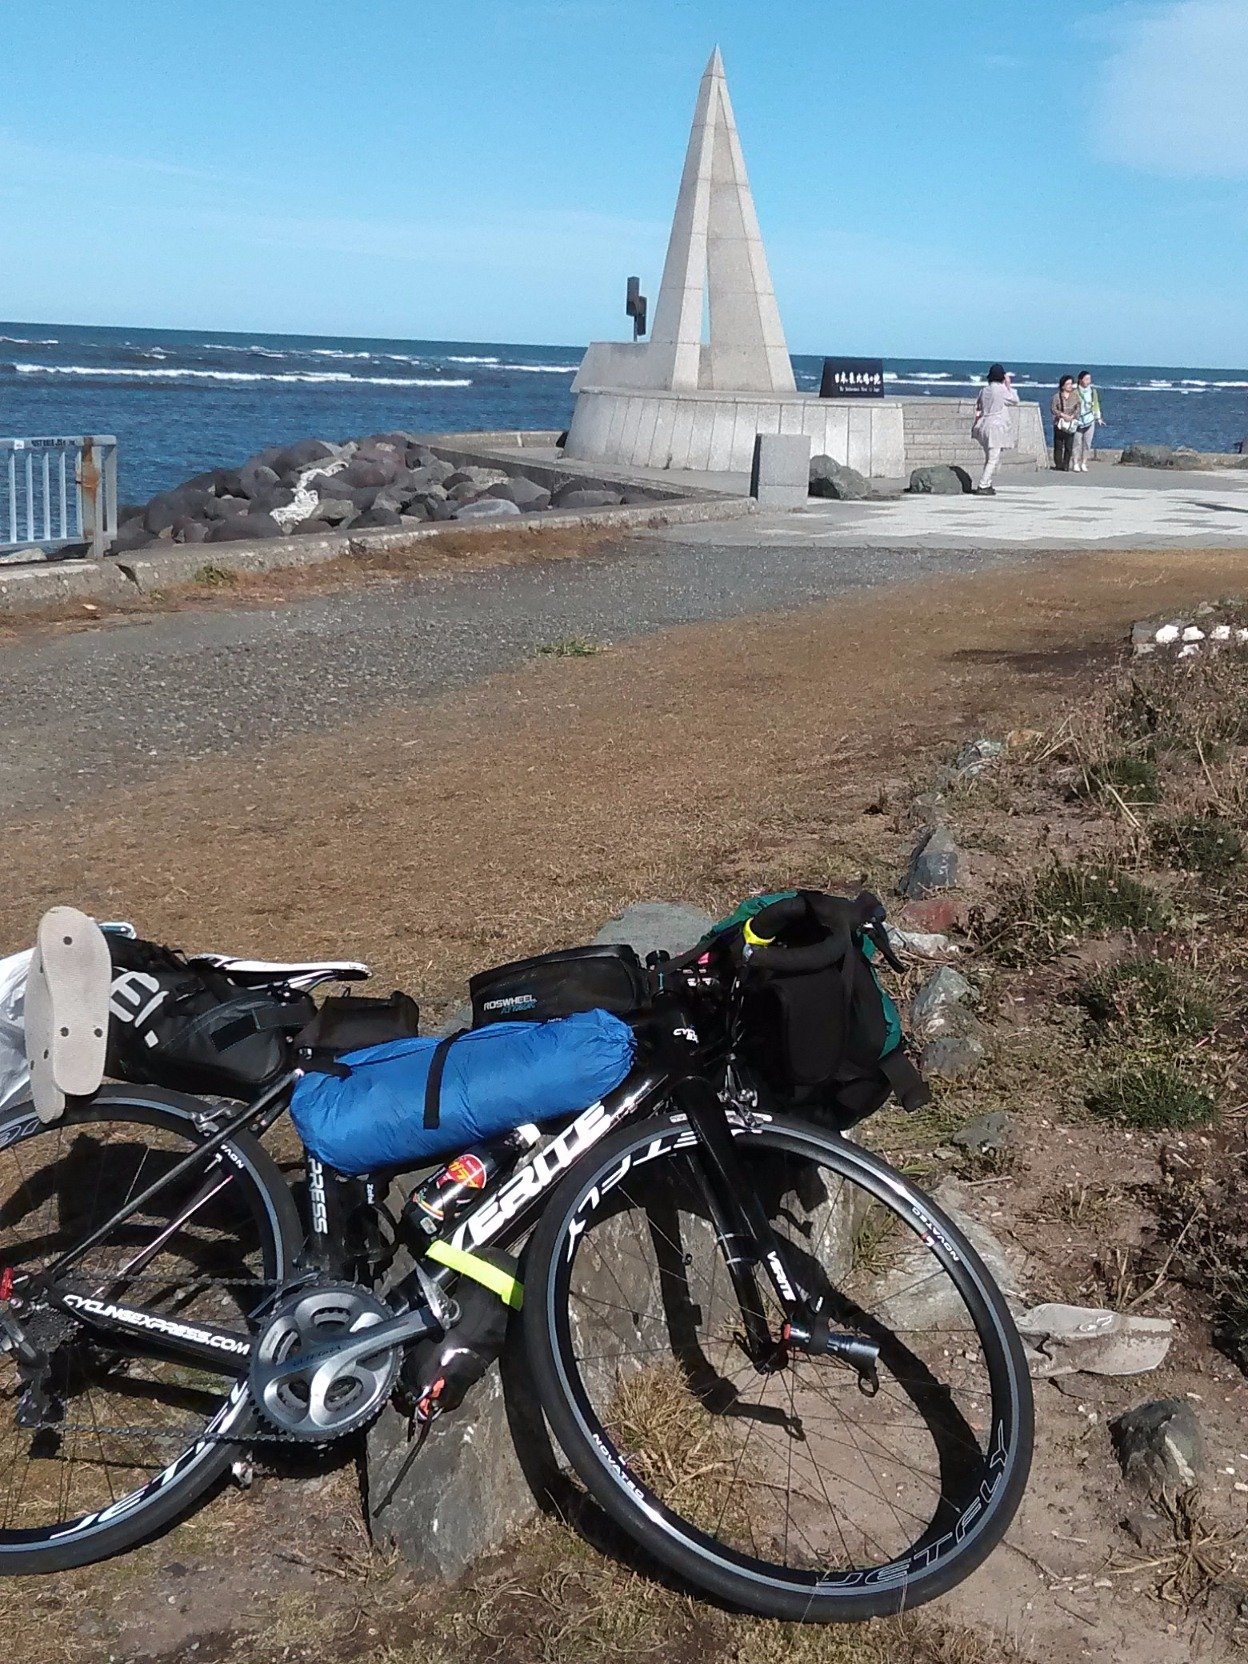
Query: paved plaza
column 1110, row 507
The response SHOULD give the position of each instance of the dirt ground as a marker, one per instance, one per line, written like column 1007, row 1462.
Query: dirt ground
column 697, row 765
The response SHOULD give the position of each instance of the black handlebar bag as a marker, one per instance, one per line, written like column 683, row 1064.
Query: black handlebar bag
column 188, row 1027
column 603, row 977
column 826, row 1041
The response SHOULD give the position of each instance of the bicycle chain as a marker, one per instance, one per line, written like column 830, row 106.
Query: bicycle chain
column 258, row 1436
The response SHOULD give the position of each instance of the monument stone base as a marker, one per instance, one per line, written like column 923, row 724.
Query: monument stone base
column 714, row 431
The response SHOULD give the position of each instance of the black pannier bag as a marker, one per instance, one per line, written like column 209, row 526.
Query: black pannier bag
column 606, row 978
column 188, row 1027
column 829, row 1041
column 353, row 1022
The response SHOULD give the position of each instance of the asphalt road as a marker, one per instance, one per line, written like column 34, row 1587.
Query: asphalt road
column 108, row 706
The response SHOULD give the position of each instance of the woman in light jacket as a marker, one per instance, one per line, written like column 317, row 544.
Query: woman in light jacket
column 993, row 425
column 1089, row 420
column 1064, row 410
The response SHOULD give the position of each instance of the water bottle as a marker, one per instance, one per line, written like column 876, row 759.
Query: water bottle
column 462, row 1182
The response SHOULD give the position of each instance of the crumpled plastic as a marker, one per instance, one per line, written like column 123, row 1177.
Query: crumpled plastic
column 14, row 1072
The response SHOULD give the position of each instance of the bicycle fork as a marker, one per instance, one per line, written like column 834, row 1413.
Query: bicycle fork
column 748, row 1242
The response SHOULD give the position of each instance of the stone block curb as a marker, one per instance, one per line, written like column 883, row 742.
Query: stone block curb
column 150, row 570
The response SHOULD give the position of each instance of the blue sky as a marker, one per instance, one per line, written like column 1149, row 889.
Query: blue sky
column 996, row 177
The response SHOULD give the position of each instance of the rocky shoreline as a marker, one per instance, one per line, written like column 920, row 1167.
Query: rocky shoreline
column 387, row 480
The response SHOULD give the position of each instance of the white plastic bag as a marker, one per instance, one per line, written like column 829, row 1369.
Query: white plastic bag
column 14, row 1073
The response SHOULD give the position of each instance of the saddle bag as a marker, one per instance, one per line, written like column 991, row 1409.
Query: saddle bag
column 597, row 978
column 407, row 1103
column 186, row 1026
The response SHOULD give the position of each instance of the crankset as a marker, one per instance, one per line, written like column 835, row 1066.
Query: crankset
column 325, row 1363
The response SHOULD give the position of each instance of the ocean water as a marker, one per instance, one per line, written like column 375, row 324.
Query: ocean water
column 180, row 402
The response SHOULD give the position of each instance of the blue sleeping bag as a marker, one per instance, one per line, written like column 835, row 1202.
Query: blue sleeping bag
column 494, row 1079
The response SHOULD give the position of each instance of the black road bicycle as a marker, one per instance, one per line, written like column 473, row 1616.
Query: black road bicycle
column 773, row 1361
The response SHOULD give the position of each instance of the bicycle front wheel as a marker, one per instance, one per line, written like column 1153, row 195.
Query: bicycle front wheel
column 791, row 1494
column 103, row 1444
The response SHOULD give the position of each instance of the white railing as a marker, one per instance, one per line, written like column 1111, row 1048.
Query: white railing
column 58, row 493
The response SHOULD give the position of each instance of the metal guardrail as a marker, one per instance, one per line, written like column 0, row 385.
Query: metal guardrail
column 59, row 492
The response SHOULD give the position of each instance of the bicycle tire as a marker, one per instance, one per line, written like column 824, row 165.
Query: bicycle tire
column 263, row 1194
column 629, row 1499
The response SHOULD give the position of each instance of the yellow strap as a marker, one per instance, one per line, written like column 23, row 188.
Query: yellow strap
column 509, row 1289
column 753, row 939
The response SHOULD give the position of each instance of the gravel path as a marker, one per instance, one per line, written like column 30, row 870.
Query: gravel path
column 112, row 705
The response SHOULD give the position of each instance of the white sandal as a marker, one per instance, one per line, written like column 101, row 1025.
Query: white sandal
column 66, row 1010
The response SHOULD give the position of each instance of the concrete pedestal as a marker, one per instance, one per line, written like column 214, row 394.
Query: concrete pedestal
column 714, row 432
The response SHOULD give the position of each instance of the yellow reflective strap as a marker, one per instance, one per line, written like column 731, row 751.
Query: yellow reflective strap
column 509, row 1289
column 753, row 939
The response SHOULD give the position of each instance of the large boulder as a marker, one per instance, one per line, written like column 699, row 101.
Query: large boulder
column 479, row 1469
column 1159, row 456
column 371, row 470
column 579, row 497
column 940, row 480
column 257, row 477
column 244, row 528
column 528, row 497
column 187, row 530
column 336, row 511
column 378, row 515
column 133, row 535
column 486, row 508
column 277, row 496
column 161, row 512
column 670, row 927
column 302, row 455
column 829, row 478
column 225, row 508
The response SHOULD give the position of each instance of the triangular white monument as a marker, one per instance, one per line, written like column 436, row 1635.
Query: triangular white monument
column 716, row 257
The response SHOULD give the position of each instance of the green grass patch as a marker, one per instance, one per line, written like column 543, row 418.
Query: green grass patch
column 1151, row 1096
column 1141, row 710
column 215, row 577
column 1068, row 901
column 1209, row 845
column 1125, row 774
column 1149, row 999
column 572, row 647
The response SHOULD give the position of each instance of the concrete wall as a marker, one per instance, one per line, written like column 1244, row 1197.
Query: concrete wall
column 715, row 432
column 939, row 430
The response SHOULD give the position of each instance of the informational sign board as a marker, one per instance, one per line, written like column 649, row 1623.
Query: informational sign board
column 852, row 378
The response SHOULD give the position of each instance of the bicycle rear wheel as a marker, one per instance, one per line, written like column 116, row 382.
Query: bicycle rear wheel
column 788, row 1494
column 124, row 1440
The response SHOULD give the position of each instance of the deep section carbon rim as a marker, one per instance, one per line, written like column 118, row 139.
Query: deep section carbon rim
column 792, row 1492
column 118, row 1436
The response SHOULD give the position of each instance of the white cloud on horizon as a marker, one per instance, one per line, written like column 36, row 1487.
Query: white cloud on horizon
column 1175, row 98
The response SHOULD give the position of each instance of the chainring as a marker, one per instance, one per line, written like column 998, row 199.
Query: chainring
column 326, row 1399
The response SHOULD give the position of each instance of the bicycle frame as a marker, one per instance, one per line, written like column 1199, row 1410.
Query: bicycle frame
column 501, row 1217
